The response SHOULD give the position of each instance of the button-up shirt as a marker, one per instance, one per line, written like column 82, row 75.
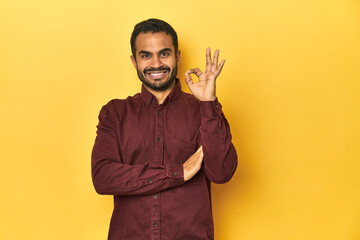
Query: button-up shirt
column 138, row 157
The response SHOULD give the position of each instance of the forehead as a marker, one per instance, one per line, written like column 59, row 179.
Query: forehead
column 153, row 42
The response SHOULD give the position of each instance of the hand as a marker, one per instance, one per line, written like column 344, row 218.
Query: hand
column 193, row 164
column 204, row 89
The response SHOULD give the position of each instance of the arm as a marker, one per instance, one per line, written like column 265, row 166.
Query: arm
column 220, row 158
column 111, row 176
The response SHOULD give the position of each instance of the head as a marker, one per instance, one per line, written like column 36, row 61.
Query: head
column 155, row 53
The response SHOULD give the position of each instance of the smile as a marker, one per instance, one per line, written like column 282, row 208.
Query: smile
column 157, row 75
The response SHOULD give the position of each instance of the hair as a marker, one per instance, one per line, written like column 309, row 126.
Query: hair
column 152, row 25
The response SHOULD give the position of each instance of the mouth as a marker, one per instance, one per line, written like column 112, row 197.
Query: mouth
column 157, row 75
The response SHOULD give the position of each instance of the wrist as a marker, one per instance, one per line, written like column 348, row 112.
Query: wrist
column 208, row 99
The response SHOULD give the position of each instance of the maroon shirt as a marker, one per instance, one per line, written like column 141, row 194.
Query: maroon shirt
column 138, row 157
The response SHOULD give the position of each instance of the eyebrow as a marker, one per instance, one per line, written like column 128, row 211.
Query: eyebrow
column 144, row 52
column 165, row 50
column 161, row 51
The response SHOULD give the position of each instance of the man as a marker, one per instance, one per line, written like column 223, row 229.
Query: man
column 158, row 151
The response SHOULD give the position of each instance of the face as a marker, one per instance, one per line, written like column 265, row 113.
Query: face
column 156, row 60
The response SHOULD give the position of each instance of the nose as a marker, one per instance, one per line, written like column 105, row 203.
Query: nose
column 156, row 62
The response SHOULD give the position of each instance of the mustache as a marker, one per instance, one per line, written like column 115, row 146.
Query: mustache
column 156, row 69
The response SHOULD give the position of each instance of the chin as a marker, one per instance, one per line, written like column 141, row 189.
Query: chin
column 159, row 85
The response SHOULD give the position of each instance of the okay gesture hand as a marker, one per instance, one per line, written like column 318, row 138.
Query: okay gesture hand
column 204, row 89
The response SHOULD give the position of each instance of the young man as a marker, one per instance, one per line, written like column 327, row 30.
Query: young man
column 158, row 151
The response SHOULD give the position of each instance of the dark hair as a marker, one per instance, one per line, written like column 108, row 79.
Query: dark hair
column 152, row 25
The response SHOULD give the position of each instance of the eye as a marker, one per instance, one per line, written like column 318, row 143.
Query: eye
column 165, row 54
column 145, row 55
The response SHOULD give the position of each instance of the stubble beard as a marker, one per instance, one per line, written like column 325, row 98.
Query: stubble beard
column 158, row 86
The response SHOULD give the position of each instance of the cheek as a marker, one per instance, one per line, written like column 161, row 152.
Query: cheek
column 140, row 68
column 170, row 63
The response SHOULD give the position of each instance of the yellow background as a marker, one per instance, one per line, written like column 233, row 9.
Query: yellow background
column 290, row 89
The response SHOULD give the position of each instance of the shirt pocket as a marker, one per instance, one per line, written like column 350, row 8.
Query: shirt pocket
column 179, row 151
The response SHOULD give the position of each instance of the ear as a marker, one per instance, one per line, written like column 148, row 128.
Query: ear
column 178, row 55
column 133, row 61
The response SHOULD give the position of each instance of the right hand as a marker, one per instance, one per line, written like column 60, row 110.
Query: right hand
column 193, row 164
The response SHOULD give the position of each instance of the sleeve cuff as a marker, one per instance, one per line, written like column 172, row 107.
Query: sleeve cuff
column 176, row 172
column 210, row 108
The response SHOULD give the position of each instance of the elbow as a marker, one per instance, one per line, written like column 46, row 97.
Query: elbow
column 220, row 168
column 220, row 179
column 222, row 174
column 99, row 188
column 98, row 183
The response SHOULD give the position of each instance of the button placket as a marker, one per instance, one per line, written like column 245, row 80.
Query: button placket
column 158, row 158
column 159, row 134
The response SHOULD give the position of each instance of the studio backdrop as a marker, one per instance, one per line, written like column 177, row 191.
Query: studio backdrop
column 290, row 89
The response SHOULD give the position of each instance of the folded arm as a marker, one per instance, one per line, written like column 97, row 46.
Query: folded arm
column 111, row 176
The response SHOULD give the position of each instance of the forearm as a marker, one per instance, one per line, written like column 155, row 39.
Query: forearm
column 113, row 178
column 110, row 173
column 220, row 157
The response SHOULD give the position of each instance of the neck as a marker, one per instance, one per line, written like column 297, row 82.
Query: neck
column 161, row 95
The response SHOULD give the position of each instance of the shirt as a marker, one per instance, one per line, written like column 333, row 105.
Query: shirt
column 138, row 157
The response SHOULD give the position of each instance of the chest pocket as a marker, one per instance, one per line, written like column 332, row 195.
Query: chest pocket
column 178, row 151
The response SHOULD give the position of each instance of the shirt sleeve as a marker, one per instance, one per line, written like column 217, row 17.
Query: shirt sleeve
column 111, row 176
column 220, row 157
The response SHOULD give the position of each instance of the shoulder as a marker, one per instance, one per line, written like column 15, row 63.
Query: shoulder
column 188, row 98
column 115, row 108
column 119, row 104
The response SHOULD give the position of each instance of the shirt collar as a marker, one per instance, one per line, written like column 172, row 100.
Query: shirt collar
column 149, row 98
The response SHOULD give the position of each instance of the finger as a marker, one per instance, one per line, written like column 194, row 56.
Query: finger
column 188, row 78
column 196, row 163
column 201, row 158
column 196, row 71
column 216, row 59
column 196, row 154
column 218, row 70
column 199, row 149
column 200, row 152
column 208, row 60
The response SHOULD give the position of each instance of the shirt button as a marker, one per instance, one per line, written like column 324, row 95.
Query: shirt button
column 159, row 139
column 159, row 113
column 156, row 196
column 170, row 103
column 175, row 174
column 154, row 101
column 150, row 181
column 155, row 224
column 147, row 102
column 217, row 106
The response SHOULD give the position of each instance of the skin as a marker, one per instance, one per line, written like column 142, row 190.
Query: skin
column 156, row 51
column 156, row 63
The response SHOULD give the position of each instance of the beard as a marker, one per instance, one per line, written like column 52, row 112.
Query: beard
column 158, row 86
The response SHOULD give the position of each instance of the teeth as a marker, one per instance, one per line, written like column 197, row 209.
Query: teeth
column 156, row 74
